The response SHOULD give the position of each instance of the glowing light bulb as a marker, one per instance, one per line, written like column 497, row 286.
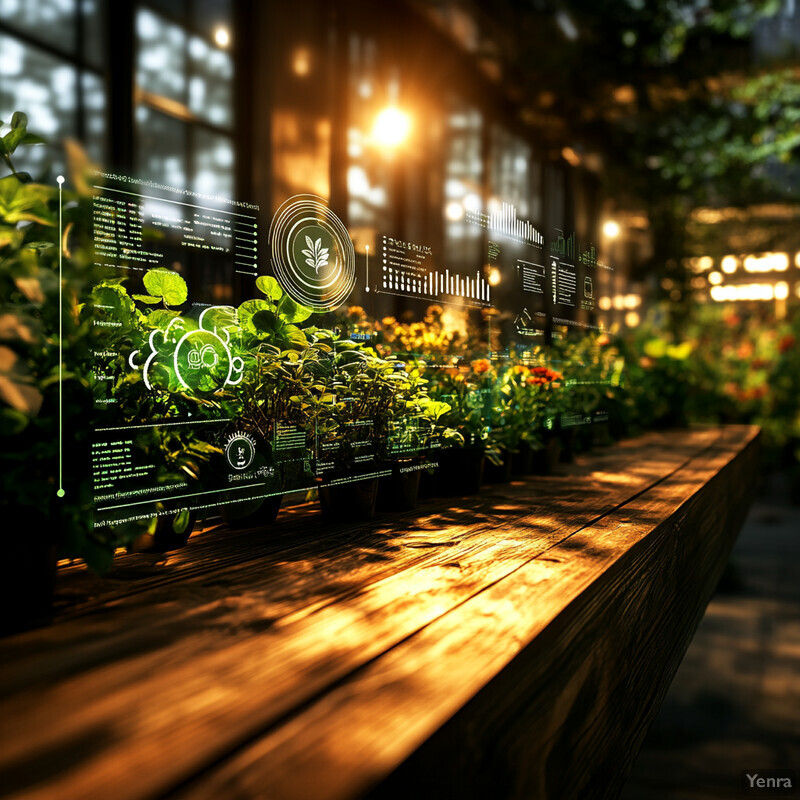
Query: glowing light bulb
column 611, row 229
column 222, row 36
column 729, row 264
column 454, row 211
column 392, row 127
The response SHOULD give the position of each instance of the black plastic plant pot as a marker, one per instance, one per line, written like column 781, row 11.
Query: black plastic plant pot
column 400, row 490
column 498, row 473
column 353, row 501
column 429, row 481
column 568, row 438
column 258, row 513
column 601, row 434
column 546, row 459
column 522, row 460
column 460, row 471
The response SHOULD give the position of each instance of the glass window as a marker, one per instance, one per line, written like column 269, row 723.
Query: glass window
column 94, row 115
column 369, row 171
column 161, row 56
column 213, row 166
column 185, row 84
column 50, row 21
column 510, row 170
column 60, row 97
column 94, row 26
column 210, row 84
column 162, row 147
column 44, row 88
column 463, row 189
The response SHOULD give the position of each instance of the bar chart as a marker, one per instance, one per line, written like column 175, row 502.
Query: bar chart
column 437, row 284
column 503, row 220
column 564, row 246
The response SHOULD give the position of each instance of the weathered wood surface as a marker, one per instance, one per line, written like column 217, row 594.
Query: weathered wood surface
column 511, row 645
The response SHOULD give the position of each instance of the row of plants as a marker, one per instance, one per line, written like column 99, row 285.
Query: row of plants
column 731, row 364
column 324, row 399
column 67, row 341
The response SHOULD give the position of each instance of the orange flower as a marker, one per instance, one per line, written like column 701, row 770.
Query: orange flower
column 481, row 365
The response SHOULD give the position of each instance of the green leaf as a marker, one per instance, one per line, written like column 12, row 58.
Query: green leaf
column 296, row 336
column 20, row 202
column 12, row 422
column 248, row 310
column 270, row 287
column 113, row 301
column 293, row 312
column 161, row 317
column 267, row 322
column 39, row 246
column 146, row 298
column 165, row 283
column 19, row 120
column 12, row 139
column 32, row 138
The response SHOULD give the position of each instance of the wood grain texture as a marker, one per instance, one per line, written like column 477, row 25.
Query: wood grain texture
column 313, row 662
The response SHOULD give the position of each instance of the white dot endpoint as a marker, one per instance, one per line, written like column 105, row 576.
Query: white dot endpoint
column 60, row 179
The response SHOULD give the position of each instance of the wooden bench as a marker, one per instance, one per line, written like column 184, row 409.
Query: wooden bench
column 516, row 644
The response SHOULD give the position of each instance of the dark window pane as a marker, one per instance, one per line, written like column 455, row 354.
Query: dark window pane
column 94, row 102
column 174, row 9
column 209, row 15
column 210, row 84
column 160, row 58
column 51, row 21
column 213, row 167
column 161, row 148
column 94, row 31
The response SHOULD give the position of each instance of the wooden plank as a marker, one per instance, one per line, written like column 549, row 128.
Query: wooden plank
column 231, row 667
column 79, row 592
column 301, row 578
column 516, row 698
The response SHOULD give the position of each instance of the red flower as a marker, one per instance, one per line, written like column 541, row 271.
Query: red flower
column 786, row 343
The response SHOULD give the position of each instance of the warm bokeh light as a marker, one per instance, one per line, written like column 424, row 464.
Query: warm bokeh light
column 767, row 262
column 715, row 278
column 472, row 202
column 392, row 127
column 222, row 36
column 704, row 263
column 729, row 264
column 632, row 301
column 745, row 291
column 301, row 62
column 494, row 276
column 454, row 211
column 781, row 290
column 611, row 229
column 632, row 319
column 604, row 303
column 570, row 156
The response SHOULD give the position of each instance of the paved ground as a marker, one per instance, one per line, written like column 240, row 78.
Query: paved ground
column 735, row 702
